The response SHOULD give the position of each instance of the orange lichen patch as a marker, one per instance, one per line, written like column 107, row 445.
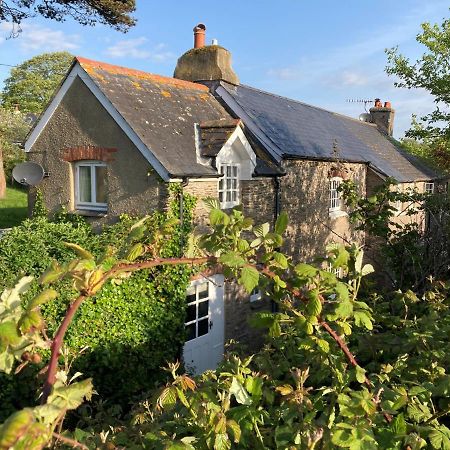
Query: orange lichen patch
column 92, row 66
column 204, row 97
column 166, row 94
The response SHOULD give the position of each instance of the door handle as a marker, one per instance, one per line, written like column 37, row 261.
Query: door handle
column 210, row 324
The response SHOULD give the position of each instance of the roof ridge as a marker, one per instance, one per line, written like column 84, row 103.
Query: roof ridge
column 121, row 70
column 306, row 104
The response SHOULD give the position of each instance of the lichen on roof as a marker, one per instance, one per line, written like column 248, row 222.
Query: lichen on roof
column 94, row 69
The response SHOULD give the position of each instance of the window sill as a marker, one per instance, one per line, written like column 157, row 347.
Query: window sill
column 89, row 213
column 337, row 213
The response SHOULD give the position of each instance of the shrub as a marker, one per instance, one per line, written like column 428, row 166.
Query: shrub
column 142, row 318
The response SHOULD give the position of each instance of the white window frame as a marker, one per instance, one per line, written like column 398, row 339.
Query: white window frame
column 338, row 272
column 223, row 171
column 196, row 285
column 429, row 187
column 334, row 196
column 93, row 206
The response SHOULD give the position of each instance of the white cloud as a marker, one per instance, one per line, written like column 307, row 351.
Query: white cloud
column 34, row 38
column 139, row 48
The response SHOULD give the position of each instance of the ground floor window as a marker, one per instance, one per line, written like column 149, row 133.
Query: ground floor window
column 197, row 312
column 335, row 201
column 91, row 185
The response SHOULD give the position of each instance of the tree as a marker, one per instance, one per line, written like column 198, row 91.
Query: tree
column 31, row 85
column 432, row 73
column 13, row 129
column 115, row 13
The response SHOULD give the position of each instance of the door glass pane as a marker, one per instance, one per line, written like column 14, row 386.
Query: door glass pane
column 191, row 313
column 100, row 179
column 235, row 171
column 84, row 184
column 203, row 327
column 190, row 332
column 203, row 308
column 190, row 294
column 203, row 291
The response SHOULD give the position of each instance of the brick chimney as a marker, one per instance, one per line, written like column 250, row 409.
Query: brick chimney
column 205, row 62
column 383, row 116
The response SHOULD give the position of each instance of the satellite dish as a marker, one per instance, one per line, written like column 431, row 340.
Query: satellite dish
column 28, row 173
column 364, row 117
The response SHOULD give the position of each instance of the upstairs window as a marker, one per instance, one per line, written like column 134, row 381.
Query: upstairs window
column 335, row 200
column 91, row 185
column 229, row 185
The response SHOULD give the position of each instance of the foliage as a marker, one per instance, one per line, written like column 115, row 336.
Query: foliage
column 341, row 368
column 430, row 72
column 13, row 129
column 431, row 133
column 121, row 321
column 411, row 250
column 13, row 208
column 39, row 208
column 115, row 13
column 31, row 85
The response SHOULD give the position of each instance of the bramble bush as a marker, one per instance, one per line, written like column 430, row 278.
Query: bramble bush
column 343, row 366
column 140, row 318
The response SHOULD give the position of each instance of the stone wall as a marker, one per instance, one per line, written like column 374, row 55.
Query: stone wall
column 305, row 197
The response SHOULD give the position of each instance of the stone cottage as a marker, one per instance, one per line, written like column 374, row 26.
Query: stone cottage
column 113, row 138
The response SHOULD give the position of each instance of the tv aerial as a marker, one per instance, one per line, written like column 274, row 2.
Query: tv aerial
column 28, row 173
column 365, row 116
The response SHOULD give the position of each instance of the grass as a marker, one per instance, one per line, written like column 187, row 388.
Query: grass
column 13, row 208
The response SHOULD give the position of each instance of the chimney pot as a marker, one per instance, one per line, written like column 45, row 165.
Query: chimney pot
column 199, row 35
column 378, row 103
column 387, row 105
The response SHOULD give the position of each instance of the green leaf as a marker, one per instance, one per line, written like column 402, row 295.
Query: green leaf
column 80, row 251
column 280, row 260
column 440, row 438
column 8, row 335
column 254, row 386
column 72, row 396
column 218, row 217
column 398, row 425
column 367, row 269
column 261, row 230
column 249, row 278
column 344, row 309
column 45, row 296
column 360, row 374
column 314, row 306
column 232, row 259
column 363, row 319
column 31, row 320
column 135, row 251
column 305, row 270
column 6, row 362
column 222, row 442
column 239, row 392
column 281, row 223
column 235, row 430
column 15, row 427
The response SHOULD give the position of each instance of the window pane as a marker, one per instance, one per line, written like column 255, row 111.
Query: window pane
column 234, row 171
column 203, row 290
column 203, row 309
column 228, row 171
column 220, row 197
column 84, row 184
column 190, row 332
column 100, row 181
column 191, row 313
column 203, row 327
column 228, row 196
column 190, row 294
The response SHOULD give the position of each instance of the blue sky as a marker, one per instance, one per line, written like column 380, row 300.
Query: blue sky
column 321, row 52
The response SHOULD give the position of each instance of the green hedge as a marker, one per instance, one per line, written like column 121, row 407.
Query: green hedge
column 124, row 335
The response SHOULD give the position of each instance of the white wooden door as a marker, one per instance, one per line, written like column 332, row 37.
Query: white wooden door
column 203, row 349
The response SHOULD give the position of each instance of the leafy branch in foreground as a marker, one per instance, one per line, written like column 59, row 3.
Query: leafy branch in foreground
column 307, row 389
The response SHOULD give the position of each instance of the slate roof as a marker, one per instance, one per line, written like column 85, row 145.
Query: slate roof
column 162, row 111
column 290, row 129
